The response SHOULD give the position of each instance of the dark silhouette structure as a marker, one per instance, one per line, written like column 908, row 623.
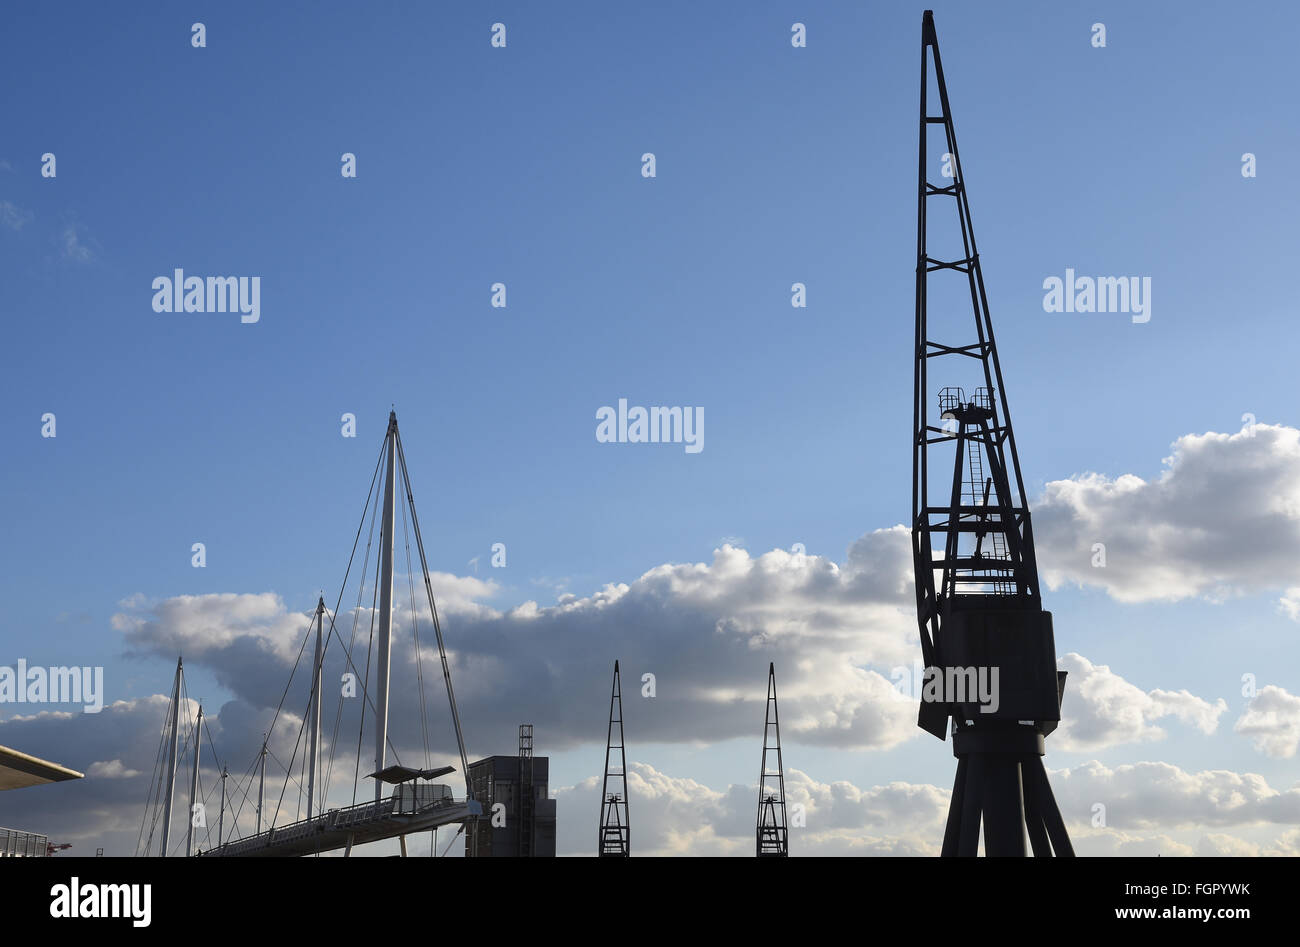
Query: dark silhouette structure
column 520, row 785
column 615, row 830
column 773, row 838
column 987, row 643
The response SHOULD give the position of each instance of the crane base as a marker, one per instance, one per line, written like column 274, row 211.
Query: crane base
column 1009, row 794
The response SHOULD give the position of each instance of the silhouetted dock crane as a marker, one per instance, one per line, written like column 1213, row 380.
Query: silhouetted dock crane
column 985, row 615
column 772, row 837
column 615, row 830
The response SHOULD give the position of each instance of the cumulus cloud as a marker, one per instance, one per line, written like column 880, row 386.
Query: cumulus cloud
column 104, row 808
column 706, row 631
column 1289, row 603
column 680, row 816
column 205, row 625
column 1150, row 809
column 111, row 769
column 1155, row 795
column 1110, row 843
column 119, row 750
column 1103, row 709
column 1272, row 722
column 1222, row 519
column 1216, row 844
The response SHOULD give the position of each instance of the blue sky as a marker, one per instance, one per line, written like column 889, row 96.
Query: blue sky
column 522, row 165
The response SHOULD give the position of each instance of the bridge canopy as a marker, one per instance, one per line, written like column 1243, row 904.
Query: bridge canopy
column 402, row 774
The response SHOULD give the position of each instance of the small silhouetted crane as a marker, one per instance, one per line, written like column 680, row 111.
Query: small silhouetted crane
column 615, row 830
column 773, row 839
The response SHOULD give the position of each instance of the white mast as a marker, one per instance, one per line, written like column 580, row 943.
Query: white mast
column 221, row 816
column 313, row 747
column 261, row 786
column 385, row 606
column 171, row 759
column 194, row 786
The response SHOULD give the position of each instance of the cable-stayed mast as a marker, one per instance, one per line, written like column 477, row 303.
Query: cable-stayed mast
column 615, row 830
column 773, row 839
column 313, row 714
column 386, row 529
column 414, row 805
column 982, row 625
column 194, row 786
column 172, row 750
column 261, row 784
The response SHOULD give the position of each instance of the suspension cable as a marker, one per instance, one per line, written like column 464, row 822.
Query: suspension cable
column 415, row 628
column 437, row 627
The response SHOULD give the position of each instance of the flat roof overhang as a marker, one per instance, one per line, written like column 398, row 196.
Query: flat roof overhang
column 18, row 770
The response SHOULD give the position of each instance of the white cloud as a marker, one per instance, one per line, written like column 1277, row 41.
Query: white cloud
column 680, row 816
column 1111, row 843
column 118, row 750
column 1151, row 808
column 1102, row 709
column 705, row 630
column 76, row 245
column 1287, row 845
column 1289, row 603
column 1222, row 519
column 202, row 625
column 111, row 769
column 14, row 217
column 1216, row 844
column 1272, row 721
column 1154, row 795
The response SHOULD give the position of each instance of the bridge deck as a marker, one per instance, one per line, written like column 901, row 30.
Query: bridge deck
column 368, row 822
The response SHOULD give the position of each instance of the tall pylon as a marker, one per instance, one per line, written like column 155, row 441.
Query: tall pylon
column 615, row 830
column 773, row 838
